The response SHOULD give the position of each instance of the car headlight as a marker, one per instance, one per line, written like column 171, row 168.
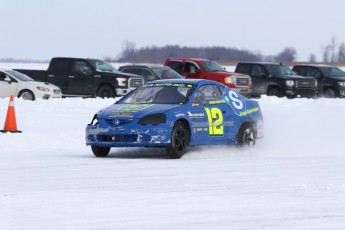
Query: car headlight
column 341, row 83
column 42, row 89
column 121, row 81
column 229, row 80
column 153, row 119
column 289, row 83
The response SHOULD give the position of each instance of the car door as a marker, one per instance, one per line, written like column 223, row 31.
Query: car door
column 191, row 70
column 58, row 73
column 176, row 65
column 209, row 115
column 317, row 74
column 8, row 85
column 259, row 79
column 81, row 78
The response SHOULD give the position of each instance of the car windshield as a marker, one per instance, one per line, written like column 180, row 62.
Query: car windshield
column 102, row 66
column 211, row 66
column 160, row 93
column 19, row 76
column 332, row 72
column 166, row 73
column 279, row 70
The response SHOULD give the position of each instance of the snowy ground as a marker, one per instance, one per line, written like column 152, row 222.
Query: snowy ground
column 292, row 179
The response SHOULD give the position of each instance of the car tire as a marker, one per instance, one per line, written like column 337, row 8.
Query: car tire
column 27, row 95
column 179, row 141
column 100, row 151
column 106, row 91
column 246, row 135
column 329, row 93
column 274, row 91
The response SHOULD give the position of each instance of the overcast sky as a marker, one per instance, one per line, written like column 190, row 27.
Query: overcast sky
column 42, row 29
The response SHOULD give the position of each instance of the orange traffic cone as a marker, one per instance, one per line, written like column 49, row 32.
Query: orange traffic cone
column 10, row 122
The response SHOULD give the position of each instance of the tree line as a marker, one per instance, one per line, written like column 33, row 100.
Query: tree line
column 334, row 52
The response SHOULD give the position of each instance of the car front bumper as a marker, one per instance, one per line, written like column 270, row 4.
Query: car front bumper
column 127, row 136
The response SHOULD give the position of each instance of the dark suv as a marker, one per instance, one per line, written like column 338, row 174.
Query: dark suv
column 331, row 80
column 276, row 79
column 151, row 72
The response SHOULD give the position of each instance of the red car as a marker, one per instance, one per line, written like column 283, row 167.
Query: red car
column 210, row 70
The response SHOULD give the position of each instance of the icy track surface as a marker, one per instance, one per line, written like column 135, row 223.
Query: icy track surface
column 294, row 178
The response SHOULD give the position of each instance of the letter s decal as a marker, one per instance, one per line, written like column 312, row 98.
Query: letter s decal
column 237, row 104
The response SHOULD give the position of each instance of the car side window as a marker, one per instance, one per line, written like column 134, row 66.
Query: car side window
column 2, row 76
column 300, row 70
column 148, row 75
column 206, row 95
column 190, row 68
column 80, row 67
column 243, row 68
column 176, row 65
column 59, row 66
column 313, row 72
column 132, row 71
column 257, row 71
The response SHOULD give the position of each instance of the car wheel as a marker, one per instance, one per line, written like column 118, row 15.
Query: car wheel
column 274, row 91
column 100, row 151
column 105, row 91
column 27, row 95
column 329, row 93
column 247, row 135
column 179, row 141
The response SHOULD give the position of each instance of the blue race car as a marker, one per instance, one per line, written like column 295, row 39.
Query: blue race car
column 175, row 114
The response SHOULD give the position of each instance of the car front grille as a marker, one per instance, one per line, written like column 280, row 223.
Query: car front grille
column 118, row 138
column 242, row 81
column 135, row 82
column 305, row 84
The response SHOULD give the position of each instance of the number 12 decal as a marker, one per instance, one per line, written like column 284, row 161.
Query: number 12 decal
column 215, row 121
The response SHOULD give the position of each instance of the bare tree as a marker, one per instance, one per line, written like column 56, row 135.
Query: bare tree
column 128, row 51
column 341, row 53
column 333, row 47
column 287, row 55
column 326, row 53
column 312, row 58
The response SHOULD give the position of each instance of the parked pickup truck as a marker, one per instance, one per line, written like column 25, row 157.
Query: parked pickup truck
column 331, row 79
column 211, row 70
column 86, row 77
column 276, row 79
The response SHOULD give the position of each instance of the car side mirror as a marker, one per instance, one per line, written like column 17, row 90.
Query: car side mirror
column 8, row 79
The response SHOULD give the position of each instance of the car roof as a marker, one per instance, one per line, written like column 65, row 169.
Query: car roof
column 185, row 81
column 144, row 65
column 189, row 59
column 261, row 63
column 314, row 65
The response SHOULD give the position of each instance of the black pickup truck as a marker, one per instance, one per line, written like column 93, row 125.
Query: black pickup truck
column 276, row 79
column 86, row 77
column 331, row 79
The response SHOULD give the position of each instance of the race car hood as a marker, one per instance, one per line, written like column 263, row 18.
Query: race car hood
column 132, row 111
